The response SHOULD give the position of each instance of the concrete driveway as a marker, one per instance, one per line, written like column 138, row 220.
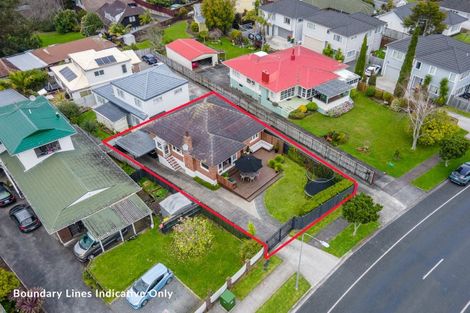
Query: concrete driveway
column 182, row 301
column 385, row 84
column 462, row 121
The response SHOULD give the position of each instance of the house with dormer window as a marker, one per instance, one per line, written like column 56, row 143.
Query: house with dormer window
column 69, row 182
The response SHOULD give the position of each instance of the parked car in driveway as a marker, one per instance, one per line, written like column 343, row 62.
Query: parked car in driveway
column 88, row 247
column 461, row 176
column 25, row 218
column 150, row 59
column 148, row 285
column 6, row 196
column 373, row 70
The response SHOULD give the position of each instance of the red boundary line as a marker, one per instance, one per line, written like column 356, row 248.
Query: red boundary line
column 267, row 254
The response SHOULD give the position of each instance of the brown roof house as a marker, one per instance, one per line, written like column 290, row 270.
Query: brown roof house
column 94, row 5
column 120, row 12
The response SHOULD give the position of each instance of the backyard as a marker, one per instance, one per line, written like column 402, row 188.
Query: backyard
column 90, row 115
column 373, row 126
column 118, row 268
column 464, row 37
column 51, row 38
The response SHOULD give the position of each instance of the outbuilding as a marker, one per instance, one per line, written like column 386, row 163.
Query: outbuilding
column 191, row 53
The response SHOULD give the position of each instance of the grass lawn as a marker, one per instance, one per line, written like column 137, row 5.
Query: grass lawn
column 51, row 38
column 439, row 173
column 465, row 37
column 143, row 45
column 315, row 229
column 118, row 268
column 91, row 115
column 286, row 296
column 175, row 31
column 372, row 124
column 458, row 111
column 345, row 241
column 256, row 275
column 230, row 50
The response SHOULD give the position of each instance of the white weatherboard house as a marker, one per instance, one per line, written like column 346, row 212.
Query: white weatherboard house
column 342, row 31
column 90, row 68
column 133, row 99
column 461, row 7
column 397, row 16
column 436, row 55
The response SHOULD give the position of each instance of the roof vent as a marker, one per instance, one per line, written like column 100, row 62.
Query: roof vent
column 57, row 115
column 32, row 98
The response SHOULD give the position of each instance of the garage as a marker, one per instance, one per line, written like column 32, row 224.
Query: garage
column 313, row 44
column 391, row 73
column 191, row 54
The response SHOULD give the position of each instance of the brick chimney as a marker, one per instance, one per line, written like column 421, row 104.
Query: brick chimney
column 292, row 56
column 187, row 142
column 265, row 76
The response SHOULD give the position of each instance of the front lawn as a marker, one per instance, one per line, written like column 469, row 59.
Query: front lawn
column 464, row 37
column 315, row 229
column 231, row 51
column 286, row 296
column 439, row 173
column 119, row 267
column 256, row 275
column 345, row 241
column 51, row 38
column 175, row 31
column 374, row 125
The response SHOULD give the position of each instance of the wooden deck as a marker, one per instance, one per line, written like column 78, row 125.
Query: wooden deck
column 267, row 176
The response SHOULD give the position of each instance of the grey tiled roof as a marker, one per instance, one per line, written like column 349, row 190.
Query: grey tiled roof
column 345, row 24
column 137, row 143
column 150, row 83
column 217, row 130
column 459, row 5
column 439, row 50
column 406, row 10
column 106, row 92
column 10, row 96
column 111, row 111
column 290, row 8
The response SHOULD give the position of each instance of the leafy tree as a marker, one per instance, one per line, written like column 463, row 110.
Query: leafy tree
column 443, row 92
column 192, row 238
column 90, row 24
column 16, row 33
column 8, row 282
column 248, row 249
column 339, row 56
column 219, row 14
column 328, row 51
column 203, row 35
column 194, row 27
column 453, row 148
column 26, row 82
column 437, row 127
column 373, row 80
column 117, row 29
column 389, row 5
column 91, row 126
column 361, row 210
column 65, row 21
column 405, row 71
column 145, row 18
column 428, row 17
column 155, row 37
column 361, row 60
column 69, row 109
column 236, row 36
column 251, row 228
column 29, row 304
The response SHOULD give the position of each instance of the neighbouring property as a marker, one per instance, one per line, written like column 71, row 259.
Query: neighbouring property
column 130, row 100
column 94, row 5
column 120, row 12
column 90, row 68
column 397, row 16
column 460, row 7
column 284, row 80
column 191, row 53
column 199, row 18
column 70, row 183
column 438, row 56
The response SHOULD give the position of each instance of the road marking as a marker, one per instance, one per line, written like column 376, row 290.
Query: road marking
column 393, row 246
column 432, row 269
column 465, row 307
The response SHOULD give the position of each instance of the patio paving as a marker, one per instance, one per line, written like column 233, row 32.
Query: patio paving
column 266, row 177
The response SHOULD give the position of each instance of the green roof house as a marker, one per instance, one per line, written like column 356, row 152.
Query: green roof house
column 70, row 183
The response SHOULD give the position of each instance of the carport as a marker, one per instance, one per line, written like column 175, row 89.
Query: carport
column 117, row 217
column 137, row 143
column 191, row 53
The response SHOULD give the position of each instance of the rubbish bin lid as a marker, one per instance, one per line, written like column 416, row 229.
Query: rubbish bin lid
column 227, row 295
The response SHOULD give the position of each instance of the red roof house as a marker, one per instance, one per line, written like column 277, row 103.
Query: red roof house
column 191, row 53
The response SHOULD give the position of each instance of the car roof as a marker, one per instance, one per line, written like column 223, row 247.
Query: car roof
column 153, row 273
column 23, row 214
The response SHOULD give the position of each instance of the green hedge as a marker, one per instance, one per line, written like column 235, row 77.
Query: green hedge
column 206, row 184
column 327, row 194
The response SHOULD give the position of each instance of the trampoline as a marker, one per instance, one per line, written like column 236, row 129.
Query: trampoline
column 315, row 186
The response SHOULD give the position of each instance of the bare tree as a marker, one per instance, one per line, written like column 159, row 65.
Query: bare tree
column 419, row 107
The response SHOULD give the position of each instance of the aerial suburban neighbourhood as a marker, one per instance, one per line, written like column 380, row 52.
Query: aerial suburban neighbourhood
column 248, row 156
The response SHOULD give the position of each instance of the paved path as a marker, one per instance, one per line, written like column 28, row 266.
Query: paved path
column 463, row 122
column 329, row 232
column 263, row 211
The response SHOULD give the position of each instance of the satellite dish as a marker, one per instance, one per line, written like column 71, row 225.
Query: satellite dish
column 185, row 147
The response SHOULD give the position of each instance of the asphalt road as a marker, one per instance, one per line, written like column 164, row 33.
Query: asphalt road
column 419, row 263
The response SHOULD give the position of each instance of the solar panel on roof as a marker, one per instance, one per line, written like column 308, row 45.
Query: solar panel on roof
column 105, row 60
column 99, row 61
column 68, row 74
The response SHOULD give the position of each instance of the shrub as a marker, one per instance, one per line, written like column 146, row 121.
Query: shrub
column 271, row 163
column 378, row 94
column 194, row 27
column 296, row 156
column 336, row 138
column 65, row 21
column 278, row 167
column 8, row 282
column 69, row 109
column 302, row 109
column 206, row 184
column 296, row 115
column 437, row 127
column 395, row 105
column 361, row 86
column 90, row 126
column 248, row 249
column 387, row 97
column 266, row 48
column 373, row 80
column 279, row 158
column 312, row 107
column 326, row 195
column 370, row 91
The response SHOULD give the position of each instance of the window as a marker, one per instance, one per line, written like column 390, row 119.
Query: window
column 85, row 93
column 124, row 68
column 288, row 93
column 337, row 38
column 452, row 77
column 131, row 19
column 47, row 149
column 99, row 73
column 204, row 166
column 177, row 150
column 138, row 102
column 100, row 99
column 286, row 20
column 354, row 37
column 310, row 25
column 177, row 91
column 432, row 70
column 418, row 65
column 433, row 89
column 157, row 99
column 397, row 55
column 120, row 93
column 351, row 53
column 254, row 137
column 249, row 81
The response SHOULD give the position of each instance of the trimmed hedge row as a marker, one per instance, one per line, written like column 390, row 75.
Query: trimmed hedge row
column 327, row 194
column 206, row 184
